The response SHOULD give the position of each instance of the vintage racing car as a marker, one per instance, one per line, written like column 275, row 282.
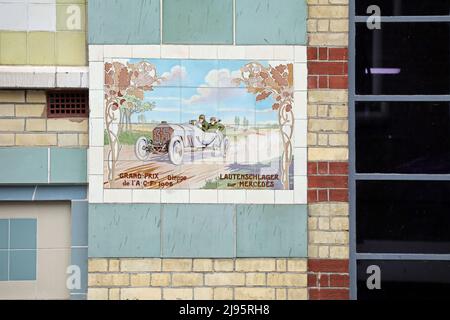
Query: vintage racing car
column 174, row 139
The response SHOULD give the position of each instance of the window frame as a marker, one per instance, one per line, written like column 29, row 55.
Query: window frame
column 353, row 175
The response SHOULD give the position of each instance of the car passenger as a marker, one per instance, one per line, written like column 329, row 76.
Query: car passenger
column 215, row 125
column 202, row 123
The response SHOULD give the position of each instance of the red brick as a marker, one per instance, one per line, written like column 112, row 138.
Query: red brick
column 339, row 280
column 323, row 168
column 324, row 280
column 312, row 280
column 323, row 53
column 338, row 167
column 338, row 82
column 323, row 82
column 328, row 265
column 312, row 53
column 313, row 82
column 323, row 196
column 328, row 182
column 312, row 196
column 329, row 294
column 312, row 167
column 338, row 54
column 326, row 68
column 338, row 195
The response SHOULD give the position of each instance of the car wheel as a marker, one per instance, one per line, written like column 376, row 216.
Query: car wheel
column 141, row 149
column 176, row 150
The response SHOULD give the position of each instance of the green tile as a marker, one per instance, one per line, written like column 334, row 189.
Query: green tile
column 198, row 231
column 124, row 230
column 71, row 48
column 65, row 16
column 23, row 233
column 272, row 231
column 4, row 234
column 23, row 165
column 13, row 48
column 4, row 265
column 22, row 265
column 271, row 22
column 41, row 48
column 198, row 22
column 68, row 165
column 124, row 21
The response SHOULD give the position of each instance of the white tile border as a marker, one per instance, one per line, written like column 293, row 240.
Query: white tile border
column 295, row 54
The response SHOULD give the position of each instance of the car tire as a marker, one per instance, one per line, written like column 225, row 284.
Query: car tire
column 140, row 149
column 176, row 151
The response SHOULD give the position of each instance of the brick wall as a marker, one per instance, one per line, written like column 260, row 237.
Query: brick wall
column 198, row 279
column 328, row 223
column 24, row 123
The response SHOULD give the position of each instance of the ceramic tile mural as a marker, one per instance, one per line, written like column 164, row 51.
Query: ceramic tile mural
column 198, row 124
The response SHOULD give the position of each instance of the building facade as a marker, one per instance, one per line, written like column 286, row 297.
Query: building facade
column 233, row 149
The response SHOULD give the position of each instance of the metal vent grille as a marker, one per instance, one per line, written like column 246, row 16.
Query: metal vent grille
column 68, row 104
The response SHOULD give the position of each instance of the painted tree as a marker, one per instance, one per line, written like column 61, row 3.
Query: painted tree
column 125, row 87
column 278, row 83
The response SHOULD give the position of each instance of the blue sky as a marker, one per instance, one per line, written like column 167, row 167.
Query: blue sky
column 195, row 87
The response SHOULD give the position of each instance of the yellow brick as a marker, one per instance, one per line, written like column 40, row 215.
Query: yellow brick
column 338, row 140
column 108, row 280
column 312, row 110
column 298, row 294
column 140, row 265
column 340, row 223
column 313, row 251
column 281, row 265
column 339, row 25
column 36, row 139
column 328, row 154
column 30, row 110
column 114, row 294
column 6, row 140
column 140, row 280
column 280, row 294
column 35, row 124
column 203, row 265
column 324, row 252
column 256, row 265
column 254, row 294
column 286, row 280
column 179, row 265
column 225, row 279
column 328, row 39
column 65, row 125
column 97, row 265
column 67, row 140
column 322, row 140
column 187, row 279
column 83, row 140
column 297, row 265
column 328, row 209
column 177, row 294
column 223, row 294
column 140, row 294
column 160, row 279
column 203, row 293
column 312, row 25
column 114, row 265
column 313, row 223
column 339, row 111
column 328, row 11
column 320, row 125
column 339, row 252
column 97, row 294
column 6, row 110
column 12, row 124
column 328, row 237
column 324, row 223
column 36, row 96
column 224, row 265
column 255, row 279
column 323, row 25
column 312, row 139
column 12, row 96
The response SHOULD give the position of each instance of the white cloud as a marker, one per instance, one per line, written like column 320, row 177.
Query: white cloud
column 176, row 74
column 217, row 80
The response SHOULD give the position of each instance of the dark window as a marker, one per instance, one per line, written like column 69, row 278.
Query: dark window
column 403, row 137
column 403, row 217
column 68, row 104
column 402, row 280
column 403, row 58
column 405, row 7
